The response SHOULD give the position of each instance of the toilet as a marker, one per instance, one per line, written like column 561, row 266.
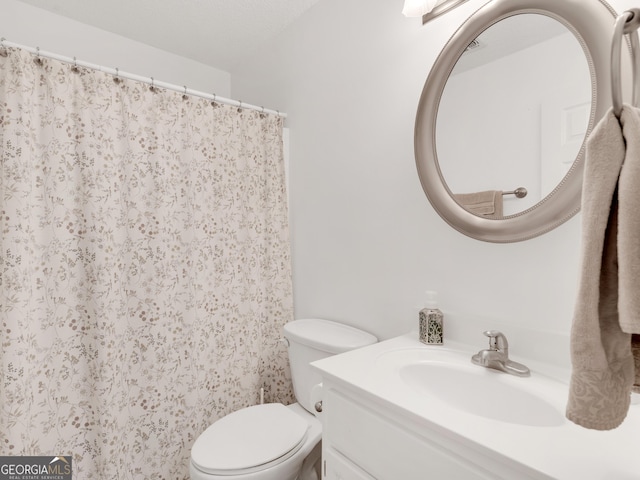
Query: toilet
column 273, row 441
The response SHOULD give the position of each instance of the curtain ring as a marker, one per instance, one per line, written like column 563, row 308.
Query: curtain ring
column 75, row 65
column 262, row 114
column 240, row 106
column 3, row 49
column 116, row 77
column 153, row 86
column 213, row 102
column 184, row 95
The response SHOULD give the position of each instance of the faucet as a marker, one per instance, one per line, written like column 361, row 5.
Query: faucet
column 497, row 356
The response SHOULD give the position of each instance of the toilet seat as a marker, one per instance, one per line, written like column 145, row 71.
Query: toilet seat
column 249, row 440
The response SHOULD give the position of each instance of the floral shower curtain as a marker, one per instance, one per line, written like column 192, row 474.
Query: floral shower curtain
column 144, row 268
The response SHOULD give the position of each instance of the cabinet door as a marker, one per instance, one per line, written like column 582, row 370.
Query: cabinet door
column 336, row 467
column 386, row 450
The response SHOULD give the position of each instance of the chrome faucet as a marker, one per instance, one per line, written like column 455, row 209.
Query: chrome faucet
column 497, row 356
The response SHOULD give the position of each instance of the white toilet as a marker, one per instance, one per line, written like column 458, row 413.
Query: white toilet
column 273, row 441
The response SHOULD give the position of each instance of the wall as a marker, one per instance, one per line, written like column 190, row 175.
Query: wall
column 33, row 27
column 366, row 242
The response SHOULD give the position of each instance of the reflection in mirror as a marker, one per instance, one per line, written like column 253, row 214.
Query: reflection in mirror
column 514, row 111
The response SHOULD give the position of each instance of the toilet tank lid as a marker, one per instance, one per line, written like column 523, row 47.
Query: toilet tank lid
column 327, row 336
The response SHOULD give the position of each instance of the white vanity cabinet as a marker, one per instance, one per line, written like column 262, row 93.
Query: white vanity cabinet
column 378, row 424
column 363, row 440
column 338, row 467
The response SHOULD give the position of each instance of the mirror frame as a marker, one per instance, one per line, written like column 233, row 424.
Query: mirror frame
column 591, row 22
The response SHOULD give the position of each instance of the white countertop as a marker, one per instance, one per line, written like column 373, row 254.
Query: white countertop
column 560, row 450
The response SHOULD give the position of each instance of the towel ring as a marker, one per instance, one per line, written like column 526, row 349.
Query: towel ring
column 626, row 24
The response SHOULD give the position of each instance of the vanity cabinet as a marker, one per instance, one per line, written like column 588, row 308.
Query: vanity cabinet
column 338, row 467
column 363, row 439
column 400, row 410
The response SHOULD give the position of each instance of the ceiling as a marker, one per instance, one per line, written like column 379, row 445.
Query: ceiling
column 218, row 33
column 508, row 36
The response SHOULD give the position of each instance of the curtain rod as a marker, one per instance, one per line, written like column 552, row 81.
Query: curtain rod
column 148, row 80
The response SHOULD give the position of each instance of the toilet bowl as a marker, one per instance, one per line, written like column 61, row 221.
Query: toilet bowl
column 263, row 442
column 273, row 441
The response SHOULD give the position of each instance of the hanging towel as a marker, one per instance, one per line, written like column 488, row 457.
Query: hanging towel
column 487, row 204
column 629, row 236
column 602, row 344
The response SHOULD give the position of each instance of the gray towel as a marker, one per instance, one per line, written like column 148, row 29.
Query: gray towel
column 486, row 204
column 629, row 232
column 606, row 311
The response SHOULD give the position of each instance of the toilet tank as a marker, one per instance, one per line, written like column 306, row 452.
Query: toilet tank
column 313, row 339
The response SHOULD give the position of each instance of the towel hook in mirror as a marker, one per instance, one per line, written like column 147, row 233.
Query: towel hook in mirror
column 626, row 24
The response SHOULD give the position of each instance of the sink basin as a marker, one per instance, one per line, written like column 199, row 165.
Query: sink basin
column 449, row 378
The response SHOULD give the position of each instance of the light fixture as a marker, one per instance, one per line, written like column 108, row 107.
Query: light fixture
column 428, row 9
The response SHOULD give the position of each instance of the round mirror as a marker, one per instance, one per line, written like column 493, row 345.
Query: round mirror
column 503, row 117
column 525, row 89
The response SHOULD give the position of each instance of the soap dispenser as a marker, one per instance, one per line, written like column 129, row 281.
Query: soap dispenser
column 431, row 320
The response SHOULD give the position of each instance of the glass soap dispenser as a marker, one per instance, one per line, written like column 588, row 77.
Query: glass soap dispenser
column 431, row 320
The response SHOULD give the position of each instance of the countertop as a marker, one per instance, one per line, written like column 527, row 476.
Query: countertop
column 560, row 449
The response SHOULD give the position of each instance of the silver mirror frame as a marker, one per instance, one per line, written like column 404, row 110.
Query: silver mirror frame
column 591, row 21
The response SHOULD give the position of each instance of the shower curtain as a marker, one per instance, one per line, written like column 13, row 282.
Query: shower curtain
column 144, row 268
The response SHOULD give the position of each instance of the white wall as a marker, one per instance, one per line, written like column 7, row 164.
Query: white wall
column 366, row 242
column 34, row 27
